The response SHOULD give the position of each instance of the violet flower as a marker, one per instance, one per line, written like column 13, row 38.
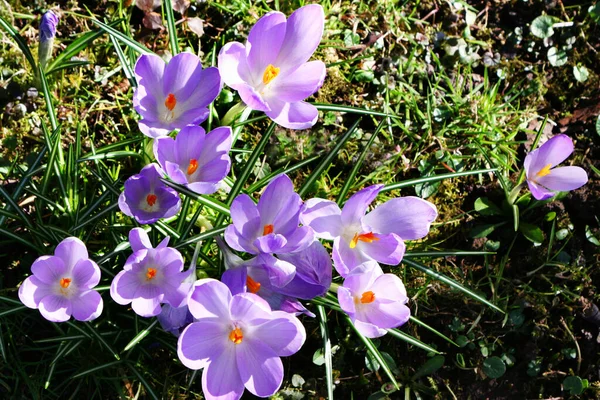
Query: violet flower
column 238, row 341
column 378, row 235
column 196, row 159
column 542, row 178
column 174, row 95
column 374, row 301
column 62, row 284
column 272, row 225
column 47, row 34
column 313, row 272
column 173, row 320
column 151, row 276
column 271, row 72
column 146, row 198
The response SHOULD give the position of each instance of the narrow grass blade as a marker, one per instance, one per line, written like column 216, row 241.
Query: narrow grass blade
column 264, row 181
column 411, row 340
column 20, row 42
column 326, row 350
column 449, row 281
column 143, row 381
column 138, row 338
column 68, row 64
column 96, row 216
column 96, row 369
column 12, row 310
column 204, row 235
column 111, row 156
column 10, row 202
column 2, row 345
column 352, row 110
column 101, row 340
column 124, row 62
column 434, row 331
column 435, row 178
column 323, row 165
column 18, row 238
column 447, row 253
column 48, row 100
column 206, row 201
column 138, row 47
column 171, row 29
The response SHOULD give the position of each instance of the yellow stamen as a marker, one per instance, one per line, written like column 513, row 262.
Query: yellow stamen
column 151, row 199
column 368, row 237
column 236, row 336
column 270, row 73
column 150, row 273
column 170, row 102
column 252, row 285
column 193, row 166
column 367, row 297
column 267, row 229
column 544, row 171
column 65, row 282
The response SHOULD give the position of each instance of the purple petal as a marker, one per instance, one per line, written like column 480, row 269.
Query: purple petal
column 346, row 300
column 264, row 42
column 32, row 291
column 252, row 98
column 190, row 116
column 236, row 240
column 55, row 308
column 386, row 314
column 202, row 342
column 564, row 179
column 298, row 115
column 324, row 217
column 313, row 272
column 164, row 150
column 290, row 333
column 139, row 240
column 149, row 70
column 260, row 368
column 300, row 84
column 146, row 307
column 71, row 250
column 233, row 66
column 408, row 217
column 389, row 286
column 210, row 299
column 188, row 145
column 154, row 129
column 171, row 319
column 304, row 30
column 235, row 279
column 270, row 205
column 540, row 192
column 280, row 272
column 49, row 269
column 182, row 76
column 360, row 282
column 356, row 206
column 368, row 330
column 553, row 152
column 87, row 306
column 175, row 173
column 206, row 89
column 248, row 307
column 346, row 259
column 221, row 379
column 86, row 274
column 389, row 249
column 270, row 243
column 124, row 286
column 299, row 240
column 123, row 206
column 243, row 211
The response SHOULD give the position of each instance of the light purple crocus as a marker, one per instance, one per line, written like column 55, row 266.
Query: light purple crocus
column 272, row 225
column 151, row 276
column 146, row 198
column 174, row 95
column 62, row 284
column 313, row 272
column 543, row 179
column 47, row 34
column 174, row 320
column 196, row 159
column 374, row 301
column 271, row 72
column 238, row 341
column 378, row 235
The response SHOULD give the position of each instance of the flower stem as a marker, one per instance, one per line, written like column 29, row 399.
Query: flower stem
column 334, row 287
column 512, row 197
column 232, row 114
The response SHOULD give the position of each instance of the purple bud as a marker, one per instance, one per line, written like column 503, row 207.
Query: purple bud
column 48, row 26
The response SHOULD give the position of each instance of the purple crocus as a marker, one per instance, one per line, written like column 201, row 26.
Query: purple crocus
column 272, row 225
column 151, row 276
column 238, row 341
column 47, row 34
column 62, row 284
column 174, row 95
column 378, row 235
column 374, row 301
column 146, row 198
column 271, row 72
column 313, row 272
column 196, row 159
column 173, row 320
column 543, row 179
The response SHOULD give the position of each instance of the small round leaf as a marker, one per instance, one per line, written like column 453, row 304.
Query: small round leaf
column 494, row 367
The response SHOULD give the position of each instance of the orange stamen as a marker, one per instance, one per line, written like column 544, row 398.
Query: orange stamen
column 65, row 282
column 193, row 166
column 544, row 171
column 367, row 297
column 150, row 273
column 271, row 73
column 368, row 237
column 236, row 336
column 151, row 199
column 252, row 285
column 170, row 102
column 267, row 229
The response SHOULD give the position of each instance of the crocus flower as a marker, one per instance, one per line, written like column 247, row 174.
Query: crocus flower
column 378, row 235
column 543, row 179
column 151, row 276
column 272, row 225
column 174, row 95
column 146, row 198
column 173, row 320
column 238, row 341
column 313, row 272
column 47, row 33
column 374, row 301
column 196, row 159
column 62, row 284
column 271, row 72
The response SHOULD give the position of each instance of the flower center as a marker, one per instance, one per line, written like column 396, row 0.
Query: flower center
column 252, row 285
column 65, row 282
column 150, row 273
column 367, row 297
column 193, row 166
column 236, row 336
column 544, row 171
column 267, row 229
column 271, row 73
column 368, row 237
column 170, row 102
column 151, row 199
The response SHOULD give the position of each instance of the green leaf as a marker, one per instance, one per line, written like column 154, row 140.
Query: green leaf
column 430, row 366
column 135, row 46
column 352, row 110
column 326, row 350
column 411, row 340
column 168, row 11
column 138, row 338
column 434, row 178
column 20, row 42
column 557, row 57
column 542, row 26
column 494, row 367
column 482, row 231
column 575, row 385
column 532, row 233
column 598, row 125
column 485, row 206
column 580, row 73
